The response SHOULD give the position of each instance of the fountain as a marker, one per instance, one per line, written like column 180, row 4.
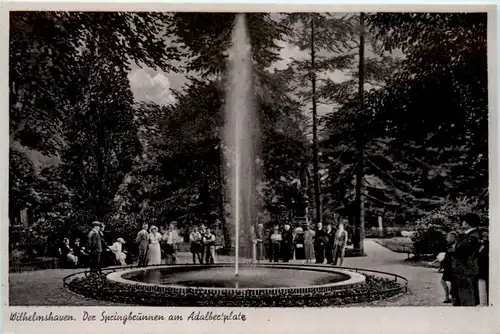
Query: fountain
column 235, row 284
column 239, row 136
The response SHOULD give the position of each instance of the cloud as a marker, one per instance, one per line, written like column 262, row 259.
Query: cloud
column 150, row 86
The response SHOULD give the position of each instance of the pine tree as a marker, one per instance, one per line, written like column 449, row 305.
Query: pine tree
column 325, row 37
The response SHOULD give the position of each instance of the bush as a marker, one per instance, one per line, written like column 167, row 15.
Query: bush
column 431, row 230
column 429, row 240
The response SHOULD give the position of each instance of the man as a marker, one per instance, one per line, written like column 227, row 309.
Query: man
column 253, row 241
column 171, row 238
column 95, row 246
column 142, row 239
column 259, row 234
column 484, row 258
column 340, row 244
column 203, row 231
column 329, row 245
column 287, row 244
column 275, row 244
column 320, row 241
column 465, row 263
column 209, row 241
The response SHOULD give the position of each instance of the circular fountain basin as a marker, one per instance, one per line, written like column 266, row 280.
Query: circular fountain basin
column 220, row 279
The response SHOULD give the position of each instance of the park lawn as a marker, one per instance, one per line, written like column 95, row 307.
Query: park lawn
column 405, row 245
column 397, row 244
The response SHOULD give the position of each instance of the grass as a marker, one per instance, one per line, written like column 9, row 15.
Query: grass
column 405, row 245
column 397, row 244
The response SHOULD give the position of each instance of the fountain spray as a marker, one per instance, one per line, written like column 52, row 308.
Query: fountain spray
column 239, row 130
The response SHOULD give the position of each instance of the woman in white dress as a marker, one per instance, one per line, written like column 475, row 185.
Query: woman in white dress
column 154, row 251
column 116, row 248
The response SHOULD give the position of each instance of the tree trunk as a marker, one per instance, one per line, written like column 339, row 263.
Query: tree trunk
column 317, row 189
column 100, row 174
column 359, row 231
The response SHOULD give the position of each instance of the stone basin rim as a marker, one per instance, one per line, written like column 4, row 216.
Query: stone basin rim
column 352, row 280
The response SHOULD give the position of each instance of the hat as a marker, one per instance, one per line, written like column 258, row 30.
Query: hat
column 471, row 219
column 153, row 228
column 120, row 240
column 96, row 223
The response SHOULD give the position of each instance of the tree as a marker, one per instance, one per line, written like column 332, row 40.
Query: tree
column 101, row 135
column 318, row 33
column 435, row 108
column 44, row 49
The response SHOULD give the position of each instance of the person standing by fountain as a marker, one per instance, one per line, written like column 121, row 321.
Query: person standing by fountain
column 203, row 231
column 260, row 239
column 309, row 243
column 95, row 247
column 340, row 244
column 320, row 241
column 171, row 238
column 195, row 239
column 275, row 245
column 299, row 244
column 154, row 250
column 143, row 240
column 330, row 233
column 209, row 241
column 253, row 242
column 287, row 244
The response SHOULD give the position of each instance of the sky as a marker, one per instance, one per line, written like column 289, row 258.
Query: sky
column 149, row 85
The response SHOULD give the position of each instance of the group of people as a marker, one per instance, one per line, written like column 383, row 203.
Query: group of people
column 74, row 255
column 77, row 255
column 97, row 246
column 465, row 265
column 202, row 245
column 317, row 243
column 330, row 243
column 155, row 245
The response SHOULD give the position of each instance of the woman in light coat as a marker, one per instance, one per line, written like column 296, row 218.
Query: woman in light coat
column 309, row 244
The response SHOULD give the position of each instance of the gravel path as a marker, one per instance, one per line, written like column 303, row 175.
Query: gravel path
column 45, row 288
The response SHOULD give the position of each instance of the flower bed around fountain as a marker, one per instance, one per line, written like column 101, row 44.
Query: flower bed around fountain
column 355, row 288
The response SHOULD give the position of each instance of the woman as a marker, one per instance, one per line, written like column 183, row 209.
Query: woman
column 81, row 253
column 154, row 250
column 67, row 253
column 309, row 244
column 195, row 239
column 117, row 249
column 299, row 244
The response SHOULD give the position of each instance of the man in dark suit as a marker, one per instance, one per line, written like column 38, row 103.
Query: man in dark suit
column 465, row 264
column 95, row 246
column 320, row 241
column 330, row 233
column 287, row 244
